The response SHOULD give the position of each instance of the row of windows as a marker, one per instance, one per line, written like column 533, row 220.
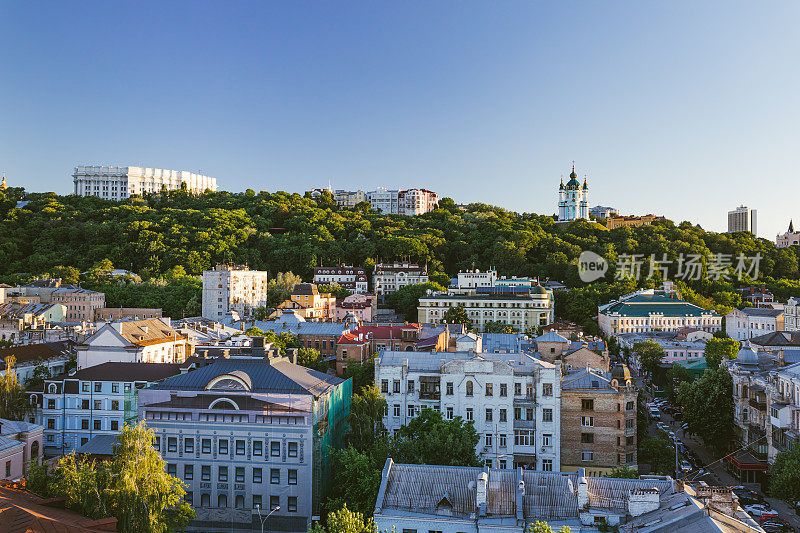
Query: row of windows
column 239, row 446
column 238, row 473
column 520, row 413
column 547, row 388
column 239, row 501
column 96, row 424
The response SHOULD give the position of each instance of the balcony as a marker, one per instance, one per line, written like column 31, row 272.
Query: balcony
column 756, row 403
column 524, row 424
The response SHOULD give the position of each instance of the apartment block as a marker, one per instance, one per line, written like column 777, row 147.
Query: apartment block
column 233, row 289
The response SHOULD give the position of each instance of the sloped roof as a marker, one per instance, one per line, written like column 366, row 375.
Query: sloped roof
column 15, row 310
column 34, row 352
column 24, row 512
column 99, row 445
column 551, row 336
column 586, row 378
column 778, row 338
column 264, row 376
column 157, row 331
column 646, row 304
column 762, row 311
column 117, row 371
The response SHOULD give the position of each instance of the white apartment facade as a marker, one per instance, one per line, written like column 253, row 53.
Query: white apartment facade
column 118, row 183
column 791, row 315
column 471, row 279
column 742, row 324
column 648, row 310
column 233, row 288
column 417, row 201
column 349, row 198
column 521, row 310
column 385, row 200
column 513, row 400
column 388, row 277
column 790, row 238
column 743, row 219
column 349, row 277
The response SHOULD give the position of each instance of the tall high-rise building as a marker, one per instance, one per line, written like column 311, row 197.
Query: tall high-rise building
column 118, row 183
column 573, row 199
column 233, row 288
column 742, row 219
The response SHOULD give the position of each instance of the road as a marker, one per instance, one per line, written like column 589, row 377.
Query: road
column 718, row 475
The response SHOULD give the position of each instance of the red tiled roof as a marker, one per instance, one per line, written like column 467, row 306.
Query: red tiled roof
column 24, row 512
column 387, row 332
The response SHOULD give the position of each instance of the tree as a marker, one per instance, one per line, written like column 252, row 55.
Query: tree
column 676, row 375
column 707, row 406
column 14, row 402
column 784, row 479
column 649, row 354
column 336, row 290
column 430, row 439
column 355, row 478
column 544, row 527
column 345, row 521
column 457, row 315
column 624, row 472
column 441, row 278
column 280, row 288
column 40, row 372
column 67, row 274
column 405, row 300
column 659, row 453
column 363, row 375
column 495, row 326
column 718, row 350
column 133, row 486
column 366, row 419
column 311, row 358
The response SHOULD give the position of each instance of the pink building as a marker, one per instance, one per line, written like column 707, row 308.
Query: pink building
column 363, row 306
column 20, row 443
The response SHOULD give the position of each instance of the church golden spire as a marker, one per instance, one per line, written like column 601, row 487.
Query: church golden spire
column 3, row 185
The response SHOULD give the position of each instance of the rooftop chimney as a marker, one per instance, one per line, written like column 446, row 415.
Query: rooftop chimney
column 641, row 501
column 583, row 490
column 481, row 491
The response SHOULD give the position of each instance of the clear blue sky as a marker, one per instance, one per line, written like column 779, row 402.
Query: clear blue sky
column 686, row 109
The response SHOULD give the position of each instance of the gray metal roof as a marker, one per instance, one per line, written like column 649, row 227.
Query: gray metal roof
column 762, row 311
column 584, row 378
column 99, row 445
column 264, row 376
column 432, row 361
column 501, row 342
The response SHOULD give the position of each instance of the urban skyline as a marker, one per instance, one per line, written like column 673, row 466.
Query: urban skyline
column 426, row 96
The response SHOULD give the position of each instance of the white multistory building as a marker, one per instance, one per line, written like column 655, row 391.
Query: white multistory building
column 349, row 277
column 388, row 277
column 118, row 183
column 742, row 219
column 514, row 400
column 471, row 279
column 417, row 201
column 741, row 324
column 791, row 315
column 790, row 238
column 233, row 289
column 385, row 200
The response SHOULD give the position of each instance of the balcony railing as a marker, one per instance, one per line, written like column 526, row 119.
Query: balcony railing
column 757, row 404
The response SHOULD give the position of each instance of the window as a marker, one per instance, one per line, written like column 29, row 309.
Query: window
column 275, row 448
column 449, row 412
column 84, row 404
column 258, row 447
column 188, row 445
column 587, row 438
column 488, row 415
column 411, row 385
column 239, row 473
column 488, row 439
column 529, row 390
column 98, row 405
column 469, row 413
column 410, row 410
column 292, row 477
column 51, row 404
column 517, row 413
column 205, row 445
column 587, row 421
column 222, row 500
column 222, row 474
column 274, row 502
column 523, row 437
column 547, row 439
column 292, row 449
column 587, row 405
column 489, row 389
column 469, row 388
column 274, row 476
column 85, row 387
column 292, row 504
column 630, row 406
column 547, row 416
column 188, row 472
column 449, row 388
column 396, row 386
column 239, row 447
column 396, row 410
column 98, row 387
column 587, row 455
column 547, row 465
column 547, row 389
column 115, row 388
column 503, row 389
column 172, row 444
column 629, row 441
column 630, row 423
column 8, row 469
column 98, row 425
column 503, row 415
column 223, row 446
column 385, row 386
column 256, row 501
column 529, row 413
column 114, row 405
column 157, row 443
column 256, row 475
column 84, row 441
column 205, row 500
column 502, row 440
column 205, row 473
column 517, row 389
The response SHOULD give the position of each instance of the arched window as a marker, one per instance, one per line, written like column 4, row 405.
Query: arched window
column 205, row 500
column 469, row 388
column 35, row 451
column 33, row 399
column 51, row 388
column 239, row 501
column 222, row 500
column 223, row 403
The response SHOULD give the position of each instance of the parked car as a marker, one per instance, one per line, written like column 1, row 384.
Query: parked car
column 776, row 525
column 743, row 493
column 759, row 509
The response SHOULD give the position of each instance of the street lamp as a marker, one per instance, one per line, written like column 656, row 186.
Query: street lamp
column 264, row 519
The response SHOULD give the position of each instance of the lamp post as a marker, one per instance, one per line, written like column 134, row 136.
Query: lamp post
column 264, row 519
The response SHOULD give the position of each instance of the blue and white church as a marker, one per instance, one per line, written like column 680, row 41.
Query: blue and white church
column 573, row 199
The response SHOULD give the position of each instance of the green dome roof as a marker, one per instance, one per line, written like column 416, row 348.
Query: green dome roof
column 538, row 289
column 573, row 183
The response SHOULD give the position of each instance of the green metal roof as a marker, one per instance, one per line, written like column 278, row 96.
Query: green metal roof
column 646, row 304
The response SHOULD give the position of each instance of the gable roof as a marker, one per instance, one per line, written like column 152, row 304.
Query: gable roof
column 24, row 512
column 117, row 371
column 647, row 304
column 34, row 352
column 586, row 378
column 778, row 338
column 762, row 311
column 264, row 377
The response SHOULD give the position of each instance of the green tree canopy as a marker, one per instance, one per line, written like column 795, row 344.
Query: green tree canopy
column 784, row 478
column 457, row 315
column 718, row 350
column 14, row 402
column 649, row 354
column 430, row 439
column 707, row 406
column 405, row 300
column 345, row 521
column 366, row 419
column 676, row 375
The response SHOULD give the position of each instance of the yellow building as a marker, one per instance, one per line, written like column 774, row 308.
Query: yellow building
column 309, row 303
column 619, row 222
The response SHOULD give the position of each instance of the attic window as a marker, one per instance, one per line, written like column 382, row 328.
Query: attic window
column 595, row 384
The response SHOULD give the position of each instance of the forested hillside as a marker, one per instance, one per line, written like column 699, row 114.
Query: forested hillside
column 289, row 232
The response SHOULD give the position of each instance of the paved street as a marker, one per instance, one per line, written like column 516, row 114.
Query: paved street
column 718, row 474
